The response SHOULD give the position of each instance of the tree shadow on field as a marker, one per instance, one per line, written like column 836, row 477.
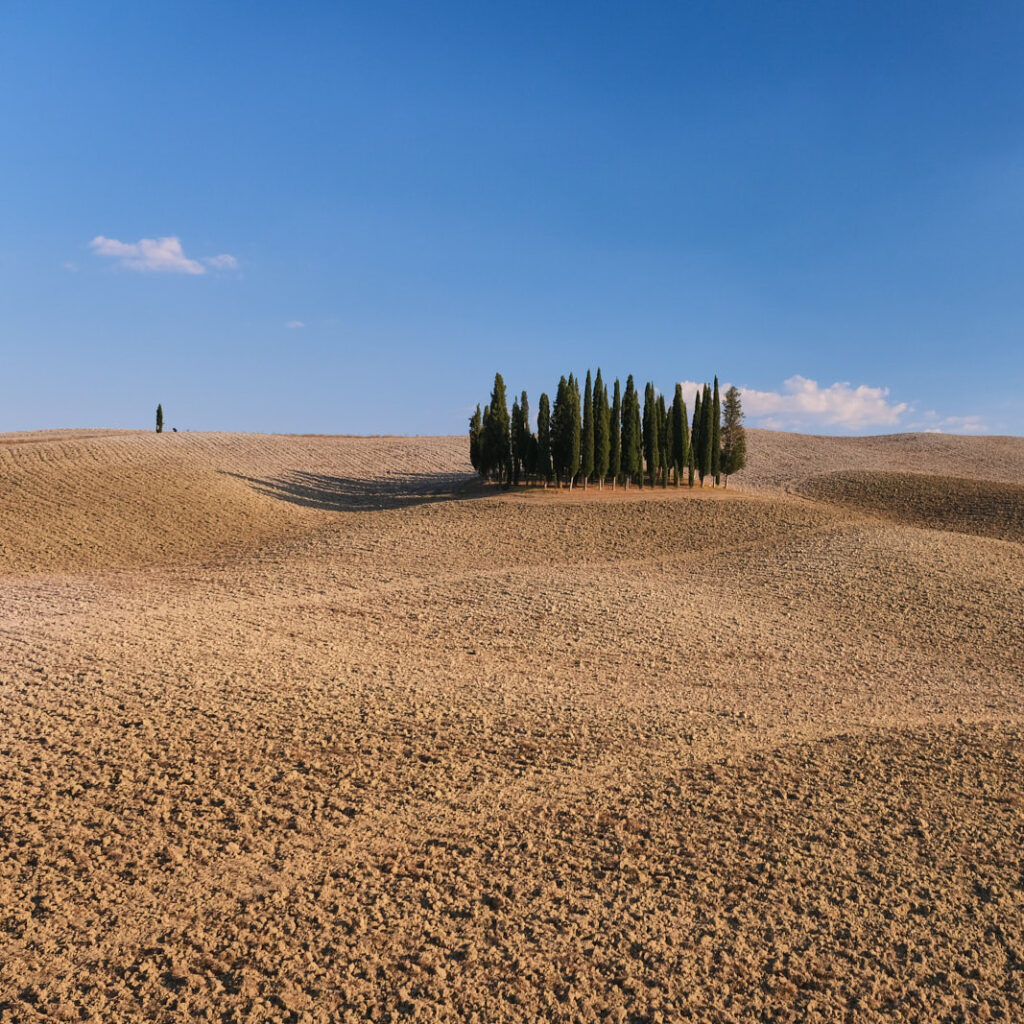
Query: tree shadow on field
column 350, row 494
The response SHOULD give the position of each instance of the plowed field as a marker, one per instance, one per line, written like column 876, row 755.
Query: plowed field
column 319, row 729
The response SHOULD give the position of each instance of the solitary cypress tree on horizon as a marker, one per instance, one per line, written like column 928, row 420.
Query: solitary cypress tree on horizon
column 615, row 436
column 602, row 424
column 716, row 436
column 587, row 454
column 159, row 418
column 544, row 439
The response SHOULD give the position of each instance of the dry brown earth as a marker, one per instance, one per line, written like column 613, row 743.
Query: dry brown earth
column 316, row 729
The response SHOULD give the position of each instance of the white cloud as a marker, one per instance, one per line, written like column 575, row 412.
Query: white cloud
column 802, row 404
column 294, row 324
column 160, row 255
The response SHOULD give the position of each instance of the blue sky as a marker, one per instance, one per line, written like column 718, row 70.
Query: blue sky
column 335, row 217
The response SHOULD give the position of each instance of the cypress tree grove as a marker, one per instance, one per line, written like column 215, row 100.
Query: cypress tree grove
column 159, row 418
column 615, row 435
column 734, row 436
column 716, row 436
column 543, row 468
column 602, row 423
column 475, row 429
column 664, row 440
column 496, row 432
column 707, row 435
column 516, row 430
column 587, row 454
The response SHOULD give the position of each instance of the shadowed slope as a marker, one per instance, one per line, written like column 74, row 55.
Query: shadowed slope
column 982, row 507
column 88, row 501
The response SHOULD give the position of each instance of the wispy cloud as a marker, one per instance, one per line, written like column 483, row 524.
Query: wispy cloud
column 803, row 404
column 294, row 325
column 932, row 423
column 225, row 261
column 158, row 255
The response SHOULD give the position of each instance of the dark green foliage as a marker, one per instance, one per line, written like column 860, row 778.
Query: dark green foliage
column 716, row 435
column 475, row 431
column 706, row 435
column 587, row 450
column 652, row 440
column 582, row 437
column 602, row 425
column 516, row 430
column 680, row 431
column 637, row 469
column 631, row 434
column 615, row 435
column 695, row 430
column 566, row 430
column 664, row 441
column 497, row 447
column 523, row 440
column 543, row 466
column 159, row 418
column 734, row 437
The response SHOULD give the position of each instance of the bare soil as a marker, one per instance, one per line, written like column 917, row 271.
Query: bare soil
column 319, row 729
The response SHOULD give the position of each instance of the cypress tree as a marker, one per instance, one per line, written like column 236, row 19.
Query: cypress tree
column 496, row 431
column 558, row 458
column 615, row 435
column 695, row 429
column 159, row 418
column 524, row 441
column 516, row 430
column 637, row 468
column 664, row 440
column 543, row 464
column 587, row 454
column 575, row 441
column 716, row 436
column 734, row 436
column 630, row 436
column 690, row 467
column 602, row 423
column 707, row 435
column 475, row 429
column 652, row 442
column 680, row 440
